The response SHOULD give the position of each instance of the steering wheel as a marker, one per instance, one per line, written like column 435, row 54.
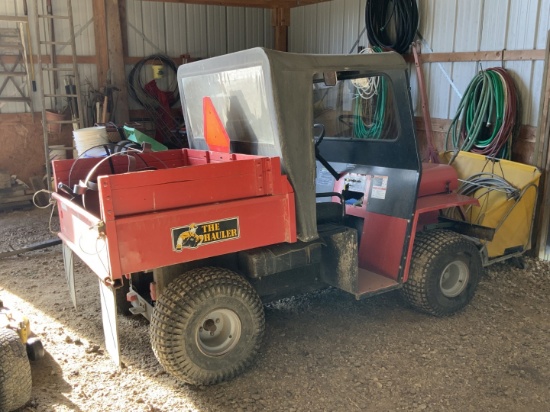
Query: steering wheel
column 318, row 139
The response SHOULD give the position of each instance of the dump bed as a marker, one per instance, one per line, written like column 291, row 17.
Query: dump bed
column 151, row 210
column 509, row 213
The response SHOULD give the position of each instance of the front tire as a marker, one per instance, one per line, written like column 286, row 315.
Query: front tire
column 207, row 326
column 15, row 372
column 445, row 272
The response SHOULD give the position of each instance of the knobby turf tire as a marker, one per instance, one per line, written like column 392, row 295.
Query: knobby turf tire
column 177, row 317
column 15, row 372
column 433, row 251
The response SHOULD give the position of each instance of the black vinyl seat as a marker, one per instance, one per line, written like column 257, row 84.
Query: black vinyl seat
column 330, row 212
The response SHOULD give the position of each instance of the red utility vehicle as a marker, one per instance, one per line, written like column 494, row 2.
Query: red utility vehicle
column 267, row 205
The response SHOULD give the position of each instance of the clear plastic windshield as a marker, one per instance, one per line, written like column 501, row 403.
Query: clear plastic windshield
column 356, row 107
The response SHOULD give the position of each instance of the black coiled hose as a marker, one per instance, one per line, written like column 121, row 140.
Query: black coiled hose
column 391, row 24
column 136, row 85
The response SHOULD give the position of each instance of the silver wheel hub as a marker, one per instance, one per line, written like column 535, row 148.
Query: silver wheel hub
column 218, row 333
column 454, row 278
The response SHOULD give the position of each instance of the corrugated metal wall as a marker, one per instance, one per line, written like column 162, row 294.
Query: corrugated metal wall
column 201, row 31
column 197, row 30
column 331, row 27
column 446, row 26
column 153, row 27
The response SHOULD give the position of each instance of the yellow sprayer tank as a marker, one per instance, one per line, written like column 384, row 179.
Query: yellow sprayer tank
column 511, row 216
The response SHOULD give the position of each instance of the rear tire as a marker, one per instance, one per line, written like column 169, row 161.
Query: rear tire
column 445, row 271
column 15, row 372
column 207, row 326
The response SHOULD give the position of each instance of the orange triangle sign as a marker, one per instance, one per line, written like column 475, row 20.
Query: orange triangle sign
column 214, row 131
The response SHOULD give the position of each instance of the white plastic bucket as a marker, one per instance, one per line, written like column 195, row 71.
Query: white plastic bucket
column 89, row 137
column 57, row 152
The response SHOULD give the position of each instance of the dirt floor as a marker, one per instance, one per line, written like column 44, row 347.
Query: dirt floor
column 322, row 352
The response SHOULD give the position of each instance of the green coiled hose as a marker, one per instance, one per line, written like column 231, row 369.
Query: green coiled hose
column 376, row 127
column 487, row 117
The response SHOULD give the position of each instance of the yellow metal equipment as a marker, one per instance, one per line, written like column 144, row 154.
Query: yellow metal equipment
column 16, row 322
column 511, row 216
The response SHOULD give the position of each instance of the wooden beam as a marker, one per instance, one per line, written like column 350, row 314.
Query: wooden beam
column 542, row 143
column 441, row 126
column 280, row 20
column 498, row 55
column 133, row 60
column 83, row 59
column 101, row 47
column 46, row 59
column 542, row 154
column 17, row 19
column 533, row 55
column 116, row 60
column 266, row 4
column 139, row 114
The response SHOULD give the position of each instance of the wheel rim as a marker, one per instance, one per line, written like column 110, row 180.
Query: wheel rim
column 454, row 278
column 218, row 332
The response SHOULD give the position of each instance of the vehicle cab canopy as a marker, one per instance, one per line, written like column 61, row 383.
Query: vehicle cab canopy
column 265, row 100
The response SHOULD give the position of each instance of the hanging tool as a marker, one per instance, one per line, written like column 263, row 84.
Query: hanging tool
column 104, row 115
column 433, row 157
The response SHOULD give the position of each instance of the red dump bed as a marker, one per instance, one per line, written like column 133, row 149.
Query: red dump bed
column 175, row 206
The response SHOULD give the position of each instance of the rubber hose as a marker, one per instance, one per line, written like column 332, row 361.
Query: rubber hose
column 379, row 118
column 391, row 24
column 136, row 87
column 487, row 118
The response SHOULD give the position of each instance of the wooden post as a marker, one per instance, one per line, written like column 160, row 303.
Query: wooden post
column 123, row 25
column 280, row 20
column 116, row 60
column 542, row 160
column 101, row 46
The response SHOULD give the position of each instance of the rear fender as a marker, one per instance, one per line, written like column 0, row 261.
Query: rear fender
column 427, row 211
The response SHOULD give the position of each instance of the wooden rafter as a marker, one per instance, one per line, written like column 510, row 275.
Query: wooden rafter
column 266, row 4
column 510, row 55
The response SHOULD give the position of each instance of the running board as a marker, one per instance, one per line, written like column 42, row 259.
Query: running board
column 370, row 284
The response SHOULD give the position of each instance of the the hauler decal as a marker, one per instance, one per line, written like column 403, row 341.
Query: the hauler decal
column 200, row 234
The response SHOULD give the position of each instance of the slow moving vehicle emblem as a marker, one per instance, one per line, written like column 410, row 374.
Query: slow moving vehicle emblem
column 200, row 234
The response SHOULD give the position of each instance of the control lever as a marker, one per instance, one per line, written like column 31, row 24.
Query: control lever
column 318, row 139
